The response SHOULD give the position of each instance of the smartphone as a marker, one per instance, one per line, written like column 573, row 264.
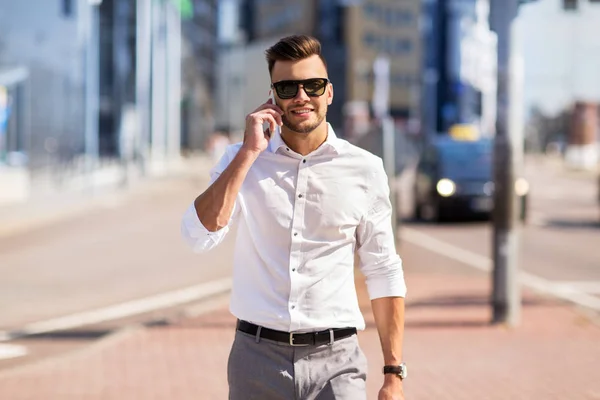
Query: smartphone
column 272, row 97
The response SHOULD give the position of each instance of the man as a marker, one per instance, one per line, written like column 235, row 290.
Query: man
column 304, row 201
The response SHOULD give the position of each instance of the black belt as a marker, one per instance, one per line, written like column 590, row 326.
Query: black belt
column 297, row 339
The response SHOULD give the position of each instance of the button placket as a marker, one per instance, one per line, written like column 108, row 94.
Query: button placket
column 295, row 249
column 302, row 164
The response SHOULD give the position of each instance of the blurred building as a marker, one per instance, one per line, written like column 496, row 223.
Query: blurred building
column 561, row 49
column 199, row 68
column 44, row 40
column 459, row 66
column 95, row 80
column 352, row 33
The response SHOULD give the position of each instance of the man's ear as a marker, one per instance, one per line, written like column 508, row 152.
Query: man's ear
column 330, row 95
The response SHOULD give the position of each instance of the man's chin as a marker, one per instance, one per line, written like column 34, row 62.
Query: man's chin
column 303, row 127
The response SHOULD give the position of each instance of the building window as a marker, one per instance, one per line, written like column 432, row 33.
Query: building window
column 67, row 8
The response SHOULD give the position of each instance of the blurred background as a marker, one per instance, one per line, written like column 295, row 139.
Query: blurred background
column 113, row 111
column 129, row 87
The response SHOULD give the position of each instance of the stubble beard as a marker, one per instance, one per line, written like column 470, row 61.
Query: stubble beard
column 306, row 126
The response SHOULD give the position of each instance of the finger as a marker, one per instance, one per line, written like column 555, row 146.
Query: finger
column 264, row 115
column 271, row 107
column 270, row 119
column 274, row 113
column 273, row 124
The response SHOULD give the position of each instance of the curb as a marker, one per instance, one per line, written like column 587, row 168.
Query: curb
column 182, row 297
column 208, row 304
column 108, row 340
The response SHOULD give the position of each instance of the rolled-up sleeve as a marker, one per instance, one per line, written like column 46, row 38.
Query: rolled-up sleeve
column 193, row 232
column 379, row 261
column 196, row 235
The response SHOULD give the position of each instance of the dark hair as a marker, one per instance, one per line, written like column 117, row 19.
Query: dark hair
column 294, row 48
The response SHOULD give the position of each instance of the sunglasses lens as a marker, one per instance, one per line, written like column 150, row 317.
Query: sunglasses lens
column 315, row 87
column 286, row 90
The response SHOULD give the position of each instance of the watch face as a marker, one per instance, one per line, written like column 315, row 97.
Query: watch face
column 403, row 371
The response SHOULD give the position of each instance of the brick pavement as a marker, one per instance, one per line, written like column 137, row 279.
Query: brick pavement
column 452, row 351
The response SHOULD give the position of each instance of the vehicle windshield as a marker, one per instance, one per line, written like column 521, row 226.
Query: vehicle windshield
column 466, row 160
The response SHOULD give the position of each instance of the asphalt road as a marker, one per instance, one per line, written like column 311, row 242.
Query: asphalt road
column 126, row 250
column 559, row 243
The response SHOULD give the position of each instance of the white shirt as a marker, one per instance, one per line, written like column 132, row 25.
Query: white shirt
column 300, row 220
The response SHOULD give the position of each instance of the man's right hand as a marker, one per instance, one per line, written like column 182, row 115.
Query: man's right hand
column 255, row 139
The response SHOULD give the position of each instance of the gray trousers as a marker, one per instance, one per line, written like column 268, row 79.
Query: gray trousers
column 268, row 370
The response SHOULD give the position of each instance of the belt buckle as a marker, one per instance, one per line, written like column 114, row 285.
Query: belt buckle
column 294, row 344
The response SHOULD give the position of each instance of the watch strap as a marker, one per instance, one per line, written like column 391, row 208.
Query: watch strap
column 399, row 370
column 392, row 369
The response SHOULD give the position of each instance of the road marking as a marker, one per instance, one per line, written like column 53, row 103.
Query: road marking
column 482, row 263
column 537, row 219
column 122, row 310
column 579, row 286
column 11, row 351
column 430, row 243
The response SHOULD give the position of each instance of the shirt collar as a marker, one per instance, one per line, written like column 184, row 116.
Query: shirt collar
column 332, row 141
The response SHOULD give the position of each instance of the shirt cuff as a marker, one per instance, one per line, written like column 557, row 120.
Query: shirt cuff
column 389, row 284
column 196, row 234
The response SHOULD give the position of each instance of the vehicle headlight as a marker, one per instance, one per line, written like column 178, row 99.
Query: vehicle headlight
column 445, row 187
column 488, row 188
column 521, row 187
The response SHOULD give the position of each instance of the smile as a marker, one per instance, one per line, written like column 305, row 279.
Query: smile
column 302, row 111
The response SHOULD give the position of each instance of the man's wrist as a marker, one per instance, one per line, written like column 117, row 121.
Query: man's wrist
column 392, row 379
column 249, row 153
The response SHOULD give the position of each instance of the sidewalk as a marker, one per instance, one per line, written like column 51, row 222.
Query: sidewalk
column 452, row 351
column 52, row 203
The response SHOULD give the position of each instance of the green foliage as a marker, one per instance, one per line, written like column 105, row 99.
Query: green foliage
column 185, row 8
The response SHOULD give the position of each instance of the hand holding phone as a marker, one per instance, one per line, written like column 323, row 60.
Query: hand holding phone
column 259, row 125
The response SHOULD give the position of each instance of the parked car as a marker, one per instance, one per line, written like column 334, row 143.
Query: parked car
column 455, row 178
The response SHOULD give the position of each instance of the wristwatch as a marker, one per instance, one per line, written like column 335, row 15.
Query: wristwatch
column 399, row 370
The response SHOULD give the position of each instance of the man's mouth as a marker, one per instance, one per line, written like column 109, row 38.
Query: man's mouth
column 301, row 111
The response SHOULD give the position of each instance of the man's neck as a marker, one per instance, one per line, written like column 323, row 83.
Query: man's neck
column 305, row 143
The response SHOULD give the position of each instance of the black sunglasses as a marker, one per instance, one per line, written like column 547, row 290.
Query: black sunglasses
column 314, row 87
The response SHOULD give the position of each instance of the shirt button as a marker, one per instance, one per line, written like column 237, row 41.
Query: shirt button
column 300, row 196
column 287, row 148
column 304, row 161
column 295, row 233
column 293, row 307
column 293, row 269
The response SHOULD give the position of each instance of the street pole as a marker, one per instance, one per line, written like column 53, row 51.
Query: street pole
column 91, row 48
column 174, row 67
column 143, row 85
column 506, row 298
column 381, row 108
column 389, row 161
